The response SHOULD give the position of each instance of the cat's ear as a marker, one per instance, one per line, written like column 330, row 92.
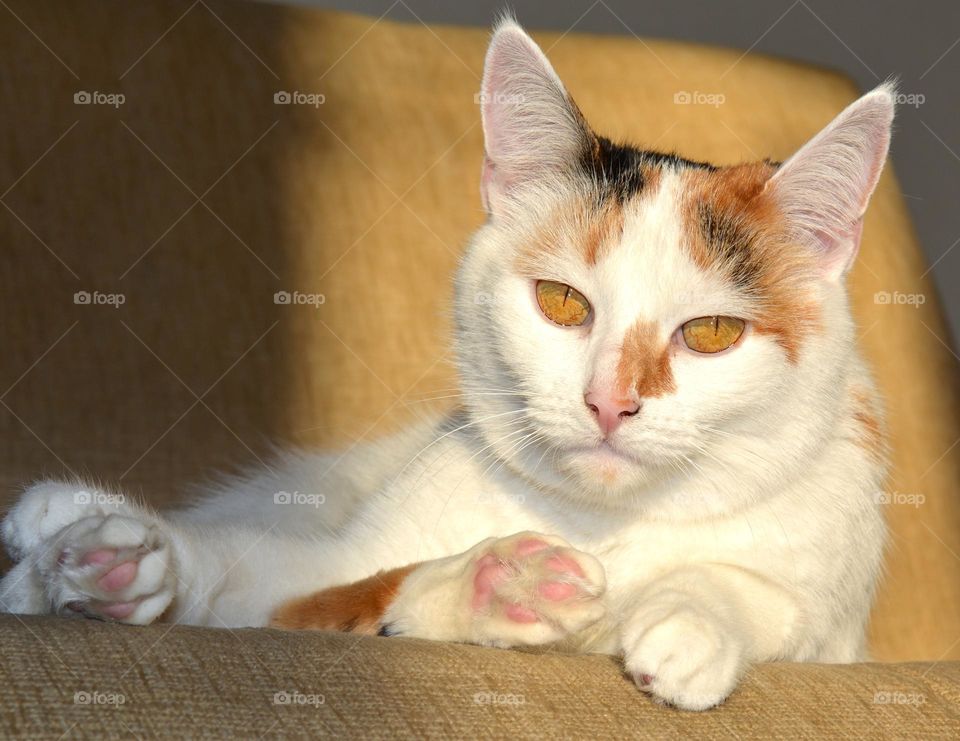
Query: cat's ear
column 824, row 188
column 531, row 126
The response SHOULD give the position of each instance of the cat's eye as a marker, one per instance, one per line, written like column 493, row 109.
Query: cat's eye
column 709, row 334
column 562, row 304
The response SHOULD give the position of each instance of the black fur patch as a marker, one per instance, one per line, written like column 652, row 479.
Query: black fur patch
column 619, row 168
column 731, row 244
column 386, row 631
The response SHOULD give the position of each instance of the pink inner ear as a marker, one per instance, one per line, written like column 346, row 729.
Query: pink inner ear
column 839, row 251
column 531, row 127
column 509, row 61
column 825, row 187
column 497, row 90
column 856, row 231
column 486, row 183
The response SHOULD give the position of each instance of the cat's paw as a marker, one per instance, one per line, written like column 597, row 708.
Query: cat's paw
column 526, row 589
column 534, row 589
column 683, row 655
column 111, row 567
column 45, row 508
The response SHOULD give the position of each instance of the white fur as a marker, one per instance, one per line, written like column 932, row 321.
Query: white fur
column 735, row 518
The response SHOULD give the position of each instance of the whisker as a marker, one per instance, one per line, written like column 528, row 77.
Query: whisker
column 452, row 432
column 412, row 486
column 453, row 491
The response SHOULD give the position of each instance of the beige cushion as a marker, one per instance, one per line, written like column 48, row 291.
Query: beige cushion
column 196, row 682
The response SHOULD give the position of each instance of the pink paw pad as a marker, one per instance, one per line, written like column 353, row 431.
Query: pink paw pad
column 557, row 591
column 552, row 576
column 119, row 610
column 564, row 565
column 490, row 573
column 530, row 545
column 644, row 681
column 520, row 614
column 100, row 558
column 118, row 577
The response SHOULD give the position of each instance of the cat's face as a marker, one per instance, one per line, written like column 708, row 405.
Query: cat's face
column 628, row 321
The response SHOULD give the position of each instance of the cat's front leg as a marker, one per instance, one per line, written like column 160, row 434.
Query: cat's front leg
column 689, row 636
column 526, row 589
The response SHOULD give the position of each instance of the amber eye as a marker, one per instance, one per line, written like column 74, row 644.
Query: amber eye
column 562, row 304
column 712, row 333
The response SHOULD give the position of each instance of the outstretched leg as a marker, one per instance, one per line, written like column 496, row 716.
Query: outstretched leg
column 83, row 550
column 525, row 589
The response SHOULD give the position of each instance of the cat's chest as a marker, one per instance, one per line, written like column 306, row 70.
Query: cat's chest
column 462, row 504
column 455, row 518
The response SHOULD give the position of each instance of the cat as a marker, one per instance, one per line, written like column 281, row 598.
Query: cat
column 668, row 447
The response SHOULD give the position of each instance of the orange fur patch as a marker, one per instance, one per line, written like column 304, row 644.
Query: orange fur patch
column 593, row 229
column 351, row 608
column 587, row 228
column 872, row 438
column 644, row 363
column 600, row 232
column 534, row 257
column 651, row 181
column 735, row 228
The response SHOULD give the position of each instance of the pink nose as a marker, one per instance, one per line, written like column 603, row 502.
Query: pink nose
column 610, row 412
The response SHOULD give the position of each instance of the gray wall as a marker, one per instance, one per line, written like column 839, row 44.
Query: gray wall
column 916, row 40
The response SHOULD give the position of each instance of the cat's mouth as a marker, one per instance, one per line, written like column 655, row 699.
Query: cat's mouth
column 604, row 452
column 603, row 465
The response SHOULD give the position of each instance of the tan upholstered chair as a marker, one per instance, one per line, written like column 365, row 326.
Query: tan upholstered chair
column 198, row 198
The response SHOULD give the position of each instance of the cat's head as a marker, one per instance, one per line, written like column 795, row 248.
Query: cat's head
column 632, row 324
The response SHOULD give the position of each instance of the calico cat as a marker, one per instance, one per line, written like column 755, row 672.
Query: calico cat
column 668, row 448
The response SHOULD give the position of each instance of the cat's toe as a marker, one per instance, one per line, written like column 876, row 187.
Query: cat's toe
column 531, row 589
column 683, row 657
column 114, row 568
column 47, row 507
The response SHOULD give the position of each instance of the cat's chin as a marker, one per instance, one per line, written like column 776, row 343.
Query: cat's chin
column 604, row 469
